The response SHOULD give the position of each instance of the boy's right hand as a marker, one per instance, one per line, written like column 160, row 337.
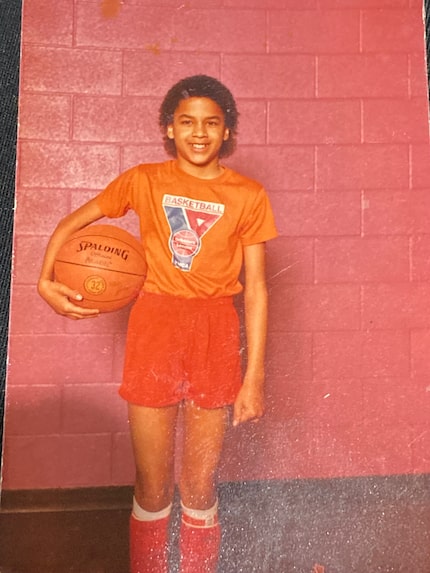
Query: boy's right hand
column 60, row 297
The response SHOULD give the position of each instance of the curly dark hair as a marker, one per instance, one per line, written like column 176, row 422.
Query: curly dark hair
column 199, row 86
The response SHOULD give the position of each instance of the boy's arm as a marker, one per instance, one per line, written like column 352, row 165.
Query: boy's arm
column 57, row 295
column 249, row 404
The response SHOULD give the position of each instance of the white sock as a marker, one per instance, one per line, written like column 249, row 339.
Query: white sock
column 206, row 517
column 142, row 515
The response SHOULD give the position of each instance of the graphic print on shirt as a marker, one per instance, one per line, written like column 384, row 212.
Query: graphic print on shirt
column 189, row 220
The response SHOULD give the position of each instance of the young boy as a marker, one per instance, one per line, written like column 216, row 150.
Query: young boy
column 199, row 222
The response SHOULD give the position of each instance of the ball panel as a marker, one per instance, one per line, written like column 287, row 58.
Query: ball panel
column 105, row 246
column 105, row 264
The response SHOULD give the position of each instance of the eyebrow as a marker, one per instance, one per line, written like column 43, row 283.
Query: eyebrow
column 182, row 115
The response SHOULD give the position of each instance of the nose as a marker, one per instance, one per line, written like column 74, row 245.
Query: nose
column 199, row 129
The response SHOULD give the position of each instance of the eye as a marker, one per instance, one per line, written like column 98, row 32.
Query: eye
column 213, row 123
column 186, row 122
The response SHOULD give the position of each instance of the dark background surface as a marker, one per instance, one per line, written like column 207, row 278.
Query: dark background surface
column 10, row 27
column 427, row 16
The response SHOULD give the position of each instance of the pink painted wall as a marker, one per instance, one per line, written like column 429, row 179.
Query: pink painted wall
column 334, row 121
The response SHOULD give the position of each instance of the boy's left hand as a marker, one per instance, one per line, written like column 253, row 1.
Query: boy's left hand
column 249, row 404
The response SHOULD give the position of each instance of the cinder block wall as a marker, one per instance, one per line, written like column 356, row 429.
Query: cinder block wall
column 334, row 121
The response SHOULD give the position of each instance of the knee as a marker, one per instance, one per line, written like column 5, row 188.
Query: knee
column 197, row 491
column 151, row 494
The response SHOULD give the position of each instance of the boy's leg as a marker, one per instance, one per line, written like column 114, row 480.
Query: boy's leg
column 153, row 435
column 200, row 531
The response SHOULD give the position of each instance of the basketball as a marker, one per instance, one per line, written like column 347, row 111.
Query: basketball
column 105, row 264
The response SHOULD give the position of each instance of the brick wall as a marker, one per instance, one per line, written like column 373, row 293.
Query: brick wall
column 334, row 121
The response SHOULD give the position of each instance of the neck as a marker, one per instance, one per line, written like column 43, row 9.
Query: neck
column 210, row 171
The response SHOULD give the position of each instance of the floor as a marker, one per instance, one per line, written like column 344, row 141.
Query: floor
column 361, row 525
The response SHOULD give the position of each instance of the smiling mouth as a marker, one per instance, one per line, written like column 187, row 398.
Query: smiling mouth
column 199, row 146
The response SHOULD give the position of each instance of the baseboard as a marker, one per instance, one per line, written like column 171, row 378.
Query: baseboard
column 76, row 499
column 365, row 488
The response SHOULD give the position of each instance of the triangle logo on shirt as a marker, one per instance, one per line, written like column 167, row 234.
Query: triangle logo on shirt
column 188, row 220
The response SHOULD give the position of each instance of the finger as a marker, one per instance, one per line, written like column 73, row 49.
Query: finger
column 236, row 415
column 71, row 307
column 87, row 312
column 75, row 316
column 236, row 420
column 76, row 296
column 251, row 416
column 72, row 294
column 81, row 315
column 71, row 310
column 243, row 416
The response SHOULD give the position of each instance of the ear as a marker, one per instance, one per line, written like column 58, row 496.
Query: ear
column 170, row 133
column 226, row 134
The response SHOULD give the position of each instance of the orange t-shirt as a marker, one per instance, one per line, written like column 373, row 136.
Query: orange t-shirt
column 193, row 230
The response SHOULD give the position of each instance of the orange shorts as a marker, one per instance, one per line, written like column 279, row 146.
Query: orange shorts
column 182, row 349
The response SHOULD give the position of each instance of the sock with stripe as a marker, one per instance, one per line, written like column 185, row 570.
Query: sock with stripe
column 200, row 539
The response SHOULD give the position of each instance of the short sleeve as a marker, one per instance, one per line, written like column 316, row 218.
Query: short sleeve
column 118, row 197
column 259, row 225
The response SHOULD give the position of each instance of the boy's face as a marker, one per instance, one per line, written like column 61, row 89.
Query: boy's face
column 199, row 131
